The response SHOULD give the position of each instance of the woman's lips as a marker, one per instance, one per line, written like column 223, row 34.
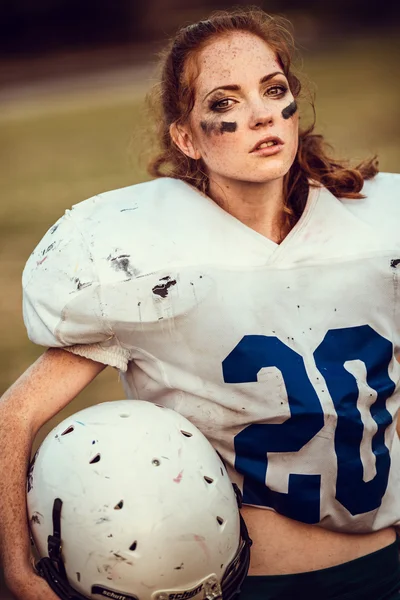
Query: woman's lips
column 269, row 150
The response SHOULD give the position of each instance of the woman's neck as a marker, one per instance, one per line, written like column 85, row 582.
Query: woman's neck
column 257, row 205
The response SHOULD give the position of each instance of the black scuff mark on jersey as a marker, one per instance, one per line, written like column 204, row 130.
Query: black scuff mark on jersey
column 43, row 254
column 48, row 249
column 179, row 568
column 161, row 289
column 40, row 262
column 35, row 518
column 394, row 262
column 126, row 209
column 80, row 285
column 54, row 228
column 290, row 110
column 122, row 263
column 30, row 472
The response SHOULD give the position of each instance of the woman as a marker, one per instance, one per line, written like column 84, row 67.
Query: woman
column 253, row 293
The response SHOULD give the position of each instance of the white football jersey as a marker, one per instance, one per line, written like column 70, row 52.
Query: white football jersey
column 282, row 355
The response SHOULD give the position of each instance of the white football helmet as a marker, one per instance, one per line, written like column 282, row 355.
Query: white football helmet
column 128, row 500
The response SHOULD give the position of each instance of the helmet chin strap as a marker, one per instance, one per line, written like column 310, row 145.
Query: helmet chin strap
column 60, row 587
column 54, row 541
column 52, row 568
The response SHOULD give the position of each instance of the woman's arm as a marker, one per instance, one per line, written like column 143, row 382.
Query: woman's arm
column 40, row 393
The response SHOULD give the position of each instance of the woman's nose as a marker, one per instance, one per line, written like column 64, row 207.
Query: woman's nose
column 261, row 114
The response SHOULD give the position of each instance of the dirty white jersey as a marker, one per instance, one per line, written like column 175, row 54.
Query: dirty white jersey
column 282, row 355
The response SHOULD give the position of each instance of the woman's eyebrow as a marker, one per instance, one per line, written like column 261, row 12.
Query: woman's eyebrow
column 236, row 88
column 270, row 76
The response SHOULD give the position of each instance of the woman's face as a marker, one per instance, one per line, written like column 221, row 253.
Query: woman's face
column 244, row 124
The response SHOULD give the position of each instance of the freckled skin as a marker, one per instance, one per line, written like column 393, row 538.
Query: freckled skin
column 290, row 110
column 249, row 115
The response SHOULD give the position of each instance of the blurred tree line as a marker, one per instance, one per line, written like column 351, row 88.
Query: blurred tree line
column 38, row 26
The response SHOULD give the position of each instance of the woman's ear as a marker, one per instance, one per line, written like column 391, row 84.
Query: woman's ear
column 183, row 139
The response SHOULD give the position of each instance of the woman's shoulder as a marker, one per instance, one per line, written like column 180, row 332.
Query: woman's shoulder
column 381, row 203
column 383, row 190
column 142, row 198
column 160, row 219
column 98, row 224
column 384, row 185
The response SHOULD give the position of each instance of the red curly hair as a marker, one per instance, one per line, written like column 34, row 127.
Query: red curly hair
column 174, row 100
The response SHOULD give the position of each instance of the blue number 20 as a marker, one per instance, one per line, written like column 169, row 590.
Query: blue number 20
column 302, row 501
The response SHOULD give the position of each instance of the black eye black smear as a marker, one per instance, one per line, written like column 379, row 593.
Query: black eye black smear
column 228, row 127
column 216, row 127
column 289, row 110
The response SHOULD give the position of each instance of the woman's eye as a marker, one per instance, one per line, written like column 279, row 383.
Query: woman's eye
column 276, row 90
column 223, row 104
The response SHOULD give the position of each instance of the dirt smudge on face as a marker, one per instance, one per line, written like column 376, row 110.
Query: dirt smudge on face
column 207, row 126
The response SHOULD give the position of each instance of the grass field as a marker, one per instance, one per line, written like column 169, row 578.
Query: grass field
column 64, row 149
column 61, row 150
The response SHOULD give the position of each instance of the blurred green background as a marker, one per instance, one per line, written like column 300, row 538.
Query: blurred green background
column 72, row 120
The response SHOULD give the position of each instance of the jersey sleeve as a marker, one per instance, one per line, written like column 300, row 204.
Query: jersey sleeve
column 62, row 304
